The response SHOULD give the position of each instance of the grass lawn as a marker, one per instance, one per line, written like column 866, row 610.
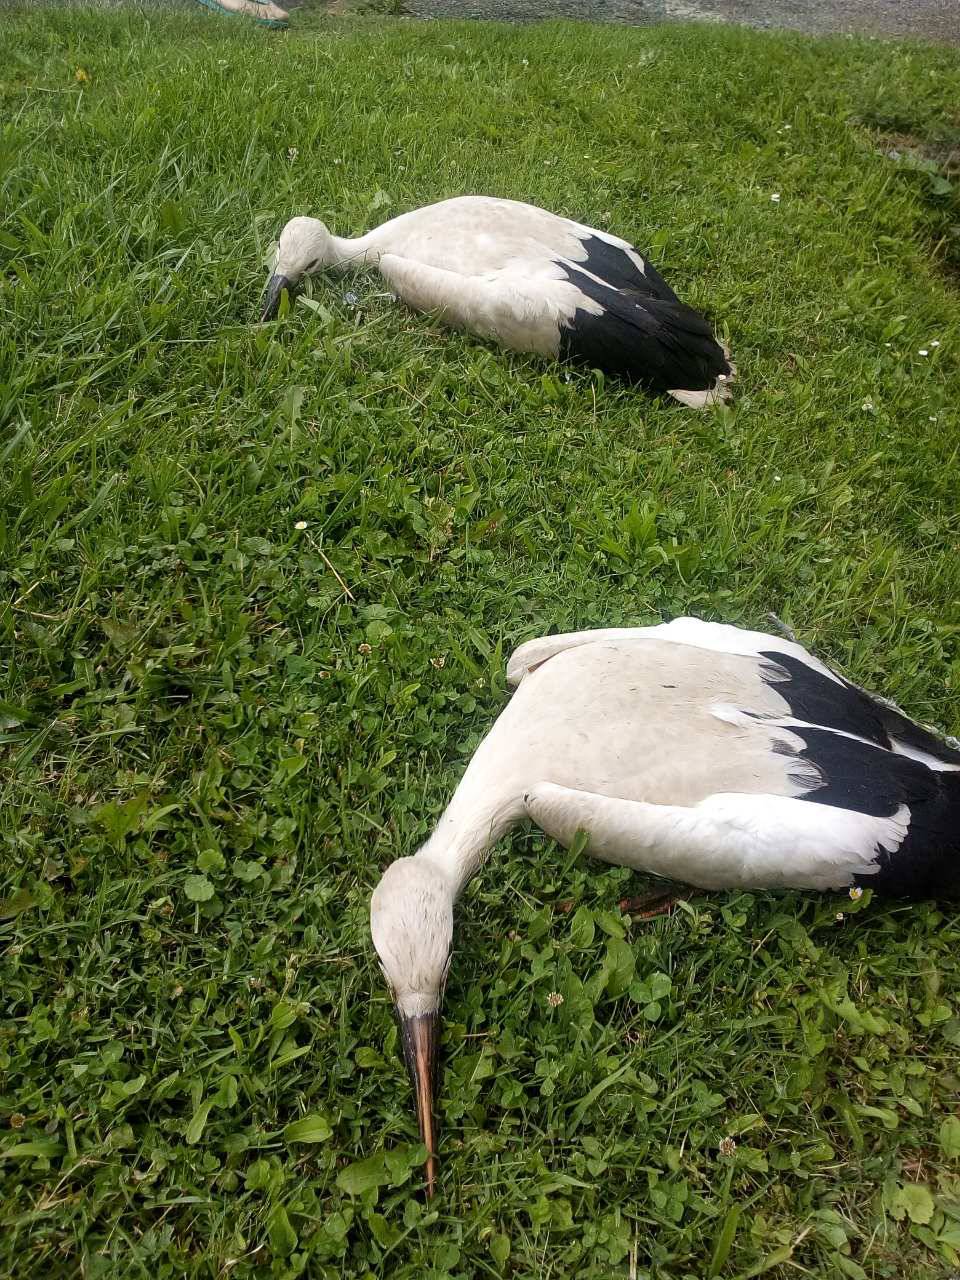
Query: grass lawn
column 217, row 728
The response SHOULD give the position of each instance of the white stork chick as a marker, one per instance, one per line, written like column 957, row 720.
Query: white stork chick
column 531, row 281
column 709, row 755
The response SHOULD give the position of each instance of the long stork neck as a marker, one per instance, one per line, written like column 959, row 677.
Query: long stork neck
column 474, row 820
column 345, row 254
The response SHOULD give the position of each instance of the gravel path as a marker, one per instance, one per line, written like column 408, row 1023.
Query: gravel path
column 923, row 19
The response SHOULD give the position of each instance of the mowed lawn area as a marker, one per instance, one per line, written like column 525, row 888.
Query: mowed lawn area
column 258, row 586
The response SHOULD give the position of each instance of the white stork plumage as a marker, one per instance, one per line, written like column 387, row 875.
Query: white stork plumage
column 703, row 753
column 531, row 281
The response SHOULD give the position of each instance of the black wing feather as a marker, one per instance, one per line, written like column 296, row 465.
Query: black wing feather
column 865, row 773
column 816, row 699
column 616, row 268
column 658, row 342
column 868, row 779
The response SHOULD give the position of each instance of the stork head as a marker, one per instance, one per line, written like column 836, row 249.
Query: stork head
column 305, row 246
column 411, row 920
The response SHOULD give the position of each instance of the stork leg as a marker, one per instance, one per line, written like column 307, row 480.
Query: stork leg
column 779, row 625
column 648, row 906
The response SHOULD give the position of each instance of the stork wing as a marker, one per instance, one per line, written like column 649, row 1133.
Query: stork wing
column 716, row 637
column 494, row 306
column 728, row 840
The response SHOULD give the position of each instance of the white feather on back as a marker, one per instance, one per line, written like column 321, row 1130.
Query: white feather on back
column 714, row 637
column 486, row 236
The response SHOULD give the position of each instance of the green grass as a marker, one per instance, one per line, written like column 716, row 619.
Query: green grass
column 217, row 729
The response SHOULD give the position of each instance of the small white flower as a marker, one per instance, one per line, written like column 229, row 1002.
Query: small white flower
column 525, row 62
column 301, row 524
column 924, row 351
column 776, row 477
column 292, row 153
column 935, row 342
column 554, row 999
column 839, row 915
column 727, row 1146
column 933, row 417
column 856, row 893
column 775, row 198
column 867, row 406
column 888, row 344
column 788, row 126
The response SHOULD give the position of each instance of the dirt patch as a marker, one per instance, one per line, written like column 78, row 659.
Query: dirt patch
column 932, row 165
column 922, row 19
column 911, row 152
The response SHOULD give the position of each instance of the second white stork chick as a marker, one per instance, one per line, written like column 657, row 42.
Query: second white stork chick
column 702, row 753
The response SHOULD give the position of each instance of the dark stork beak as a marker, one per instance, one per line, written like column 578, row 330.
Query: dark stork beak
column 272, row 295
column 420, row 1036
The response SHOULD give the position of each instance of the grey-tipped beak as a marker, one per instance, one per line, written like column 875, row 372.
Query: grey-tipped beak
column 272, row 295
column 420, row 1039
